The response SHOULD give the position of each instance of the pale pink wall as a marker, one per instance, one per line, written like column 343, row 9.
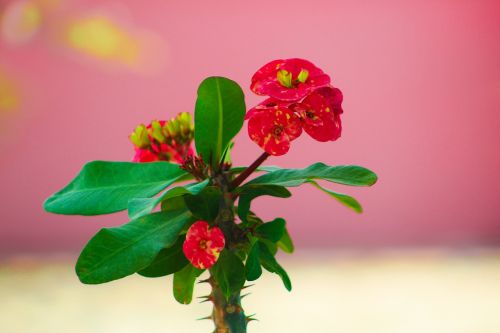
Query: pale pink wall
column 421, row 81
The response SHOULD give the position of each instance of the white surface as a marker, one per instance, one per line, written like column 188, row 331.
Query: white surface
column 417, row 292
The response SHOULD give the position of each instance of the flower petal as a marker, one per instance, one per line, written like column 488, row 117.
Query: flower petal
column 144, row 155
column 203, row 245
column 320, row 114
column 273, row 129
column 266, row 82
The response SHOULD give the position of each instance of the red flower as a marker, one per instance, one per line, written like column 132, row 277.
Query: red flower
column 320, row 114
column 203, row 245
column 144, row 155
column 288, row 80
column 273, row 126
column 171, row 152
column 164, row 140
column 269, row 103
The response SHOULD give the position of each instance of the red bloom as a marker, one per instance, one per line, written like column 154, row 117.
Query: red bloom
column 144, row 155
column 171, row 152
column 273, row 126
column 203, row 245
column 320, row 114
column 164, row 140
column 270, row 103
column 288, row 80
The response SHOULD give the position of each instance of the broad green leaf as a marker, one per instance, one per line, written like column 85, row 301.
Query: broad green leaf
column 168, row 261
column 250, row 192
column 138, row 207
column 205, row 205
column 271, row 246
column 265, row 168
column 173, row 204
column 184, row 283
column 285, row 243
column 229, row 273
column 219, row 113
column 114, row 253
column 252, row 266
column 272, row 231
column 106, row 187
column 344, row 199
column 269, row 263
column 344, row 174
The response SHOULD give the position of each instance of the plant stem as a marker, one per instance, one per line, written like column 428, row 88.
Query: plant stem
column 248, row 171
column 227, row 315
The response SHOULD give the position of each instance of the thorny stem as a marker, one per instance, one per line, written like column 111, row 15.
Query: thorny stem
column 227, row 314
column 248, row 171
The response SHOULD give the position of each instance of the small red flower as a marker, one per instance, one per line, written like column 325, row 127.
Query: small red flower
column 203, row 245
column 171, row 152
column 288, row 80
column 273, row 127
column 164, row 140
column 320, row 114
column 270, row 103
column 144, row 155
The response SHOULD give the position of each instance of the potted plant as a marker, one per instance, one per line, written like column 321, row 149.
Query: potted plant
column 190, row 213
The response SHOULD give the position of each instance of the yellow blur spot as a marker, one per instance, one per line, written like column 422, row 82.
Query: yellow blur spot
column 21, row 20
column 9, row 95
column 101, row 38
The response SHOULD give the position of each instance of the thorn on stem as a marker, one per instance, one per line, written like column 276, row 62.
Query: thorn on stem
column 245, row 287
column 250, row 318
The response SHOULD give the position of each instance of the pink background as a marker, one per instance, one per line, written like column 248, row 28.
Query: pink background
column 421, row 81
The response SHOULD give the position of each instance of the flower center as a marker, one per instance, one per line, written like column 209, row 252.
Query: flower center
column 203, row 244
column 286, row 79
column 277, row 131
column 310, row 114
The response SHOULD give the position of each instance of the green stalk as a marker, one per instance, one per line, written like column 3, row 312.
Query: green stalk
column 227, row 314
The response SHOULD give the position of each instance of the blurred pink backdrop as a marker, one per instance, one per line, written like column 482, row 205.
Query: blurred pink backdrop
column 421, row 81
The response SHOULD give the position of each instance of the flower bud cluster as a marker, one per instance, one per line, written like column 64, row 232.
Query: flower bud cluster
column 164, row 140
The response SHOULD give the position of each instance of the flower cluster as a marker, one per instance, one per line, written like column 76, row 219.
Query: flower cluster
column 164, row 140
column 300, row 97
column 203, row 244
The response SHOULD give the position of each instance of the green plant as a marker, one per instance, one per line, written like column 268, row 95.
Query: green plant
column 199, row 227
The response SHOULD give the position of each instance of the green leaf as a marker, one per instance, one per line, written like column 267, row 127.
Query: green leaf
column 252, row 266
column 229, row 273
column 269, row 263
column 168, row 261
column 286, row 243
column 272, row 231
column 114, row 253
column 250, row 192
column 173, row 204
column 344, row 174
column 271, row 246
column 106, row 187
column 344, row 199
column 265, row 168
column 138, row 207
column 226, row 156
column 184, row 283
column 205, row 205
column 219, row 115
